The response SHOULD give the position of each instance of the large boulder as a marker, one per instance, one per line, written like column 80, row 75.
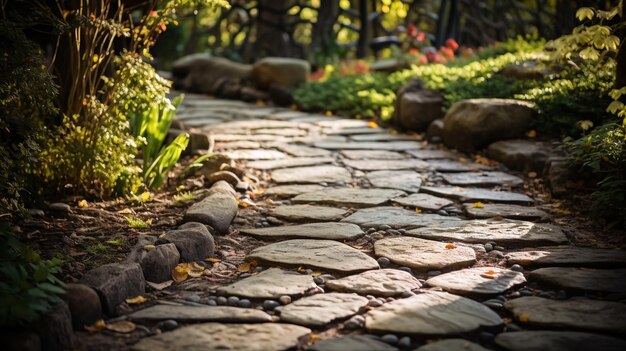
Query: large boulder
column 200, row 73
column 473, row 124
column 521, row 155
column 415, row 110
column 280, row 71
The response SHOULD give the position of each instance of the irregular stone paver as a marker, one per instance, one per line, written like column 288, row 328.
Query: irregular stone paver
column 424, row 255
column 433, row 154
column 479, row 280
column 317, row 174
column 349, row 197
column 397, row 218
column 432, row 313
column 452, row 345
column 353, row 131
column 582, row 279
column 505, row 210
column 569, row 256
column 330, row 231
column 352, row 343
column 302, row 151
column 384, row 137
column 253, row 125
column 262, row 154
column 292, row 190
column 270, row 284
column 575, row 313
column 289, row 132
column 382, row 282
column 372, row 155
column 391, row 146
column 507, row 233
column 558, row 341
column 376, row 165
column 482, row 179
column 321, row 309
column 455, row 166
column 299, row 213
column 322, row 254
column 343, row 123
column 246, row 137
column 409, row 181
column 472, row 194
column 186, row 313
column 423, row 201
column 232, row 337
column 289, row 162
column 237, row 145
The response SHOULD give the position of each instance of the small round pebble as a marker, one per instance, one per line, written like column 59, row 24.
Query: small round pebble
column 402, row 231
column 265, row 223
column 318, row 280
column 516, row 267
column 407, row 293
column 284, row 300
column 245, row 275
column 384, row 227
column 222, row 300
column 390, row 339
column 404, row 342
column 258, row 269
column 493, row 304
column 245, row 303
column 376, row 236
column 355, row 322
column 433, row 273
column 193, row 298
column 371, row 230
column 496, row 253
column 488, row 247
column 370, row 297
column 270, row 305
column 406, row 269
column 233, row 301
column 383, row 261
column 526, row 292
column 389, row 299
column 374, row 303
column 442, row 213
column 211, row 303
column 167, row 325
column 515, row 294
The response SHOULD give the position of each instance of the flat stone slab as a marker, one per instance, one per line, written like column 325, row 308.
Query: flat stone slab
column 246, row 137
column 343, row 123
column 330, row 231
column 353, row 131
column 478, row 281
column 582, row 279
column 271, row 283
column 455, row 166
column 299, row 213
column 349, row 197
column 431, row 313
column 352, row 343
column 507, row 233
column 232, row 337
column 409, row 181
column 558, row 341
column 452, row 345
column 382, row 282
column 569, row 256
column 472, row 194
column 253, row 125
column 397, row 218
column 423, row 201
column 384, row 137
column 292, row 190
column 505, row 211
column 303, row 151
column 288, row 132
column 321, row 309
column 433, row 154
column 186, row 313
column 482, row 179
column 391, row 146
column 318, row 174
column 372, row 155
column 386, row 165
column 248, row 154
column 575, row 313
column 424, row 255
column 289, row 162
column 115, row 282
column 323, row 254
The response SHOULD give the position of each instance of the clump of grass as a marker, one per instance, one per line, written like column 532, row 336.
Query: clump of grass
column 183, row 198
column 98, row 248
column 138, row 223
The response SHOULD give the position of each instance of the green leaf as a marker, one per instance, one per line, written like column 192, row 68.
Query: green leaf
column 51, row 288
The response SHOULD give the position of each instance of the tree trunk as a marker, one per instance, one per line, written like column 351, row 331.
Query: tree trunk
column 322, row 38
column 620, row 71
column 272, row 38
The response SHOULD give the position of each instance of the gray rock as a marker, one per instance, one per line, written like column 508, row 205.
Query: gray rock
column 270, row 284
column 424, row 255
column 455, row 166
column 409, row 181
column 415, row 110
column 299, row 213
column 317, row 174
column 321, row 309
column 353, row 197
column 423, row 201
column 330, row 231
column 435, row 130
column 386, row 165
column 505, row 211
column 186, row 313
column 219, row 336
column 167, row 325
column 260, row 154
column 397, row 218
column 521, row 155
column 115, row 282
column 84, row 305
column 472, row 194
column 433, row 154
column 557, row 173
column 270, row 305
column 217, row 210
column 568, row 256
column 452, row 345
column 371, row 155
column 558, row 341
column 289, row 162
column 582, row 279
column 192, row 240
column 157, row 265
column 352, row 343
column 292, row 190
column 382, row 282
column 55, row 328
column 303, row 151
column 473, row 124
column 575, row 313
column 389, row 146
column 385, row 136
column 200, row 73
column 283, row 72
column 482, row 179
column 323, row 254
column 478, row 281
column 59, row 208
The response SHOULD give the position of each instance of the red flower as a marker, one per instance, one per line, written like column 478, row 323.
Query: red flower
column 423, row 59
column 452, row 44
column 411, row 30
column 430, row 56
column 439, row 59
column 447, row 51
column 421, row 36
column 413, row 51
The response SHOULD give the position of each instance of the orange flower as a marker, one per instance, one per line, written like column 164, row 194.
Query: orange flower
column 452, row 44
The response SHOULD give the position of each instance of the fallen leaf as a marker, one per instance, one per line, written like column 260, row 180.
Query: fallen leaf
column 244, row 267
column 96, row 327
column 125, row 211
column 212, row 260
column 260, row 103
column 136, row 300
column 487, row 276
column 490, row 272
column 372, row 124
column 179, row 274
column 121, row 327
column 83, row 203
column 328, row 114
column 531, row 133
column 417, row 210
column 160, row 286
column 316, row 274
column 478, row 205
column 523, row 317
column 532, row 174
column 450, row 246
column 149, row 247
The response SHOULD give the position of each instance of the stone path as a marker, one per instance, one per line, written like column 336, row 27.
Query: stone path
column 360, row 231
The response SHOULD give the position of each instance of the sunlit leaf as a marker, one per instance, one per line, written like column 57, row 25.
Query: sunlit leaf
column 121, row 327
column 96, row 327
column 478, row 205
column 136, row 300
column 584, row 13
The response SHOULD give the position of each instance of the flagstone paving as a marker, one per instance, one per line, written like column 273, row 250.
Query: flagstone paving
column 382, row 282
column 409, row 181
column 330, row 231
column 424, row 255
column 479, row 280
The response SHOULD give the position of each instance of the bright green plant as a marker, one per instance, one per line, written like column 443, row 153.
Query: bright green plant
column 137, row 223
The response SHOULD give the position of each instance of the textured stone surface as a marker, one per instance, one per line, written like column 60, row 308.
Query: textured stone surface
column 521, row 155
column 582, row 279
column 115, row 282
column 289, row 162
column 558, row 341
column 316, row 174
column 569, row 256
column 452, row 345
column 352, row 343
column 322, row 254
column 416, row 109
column 330, row 231
column 382, row 282
column 482, row 179
column 409, row 181
column 423, row 201
column 479, row 280
column 505, row 211
column 232, row 337
column 217, row 210
column 433, row 154
column 508, row 233
column 186, row 313
column 321, row 309
column 84, row 304
column 432, row 313
column 292, row 190
column 386, row 165
column 397, row 218
column 472, row 194
column 300, row 213
column 424, row 255
column 270, row 284
column 349, row 197
column 260, row 154
column 303, row 151
column 371, row 155
column 284, row 72
column 192, row 240
column 455, row 166
column 157, row 265
column 575, row 313
column 54, row 328
column 383, row 137
column 390, row 146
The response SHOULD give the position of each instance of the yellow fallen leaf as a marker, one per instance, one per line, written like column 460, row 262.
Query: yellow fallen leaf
column 121, row 327
column 328, row 114
column 260, row 103
column 244, row 267
column 450, row 246
column 316, row 274
column 531, row 133
column 242, row 204
column 294, row 107
column 96, row 327
column 417, row 210
column 372, row 124
column 136, row 300
column 83, row 203
column 149, row 247
column 532, row 174
column 179, row 273
column 478, row 205
column 212, row 260
column 195, row 269
column 490, row 272
column 523, row 317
